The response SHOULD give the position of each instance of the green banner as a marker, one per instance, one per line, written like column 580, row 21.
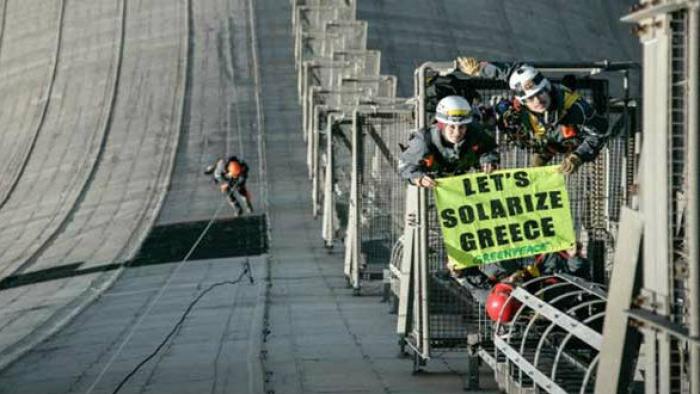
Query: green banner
column 486, row 218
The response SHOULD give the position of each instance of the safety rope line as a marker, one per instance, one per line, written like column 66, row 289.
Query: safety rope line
column 154, row 300
column 245, row 272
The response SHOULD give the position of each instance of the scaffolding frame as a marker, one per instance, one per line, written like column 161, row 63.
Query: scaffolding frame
column 602, row 187
column 668, row 305
column 375, row 217
column 335, row 170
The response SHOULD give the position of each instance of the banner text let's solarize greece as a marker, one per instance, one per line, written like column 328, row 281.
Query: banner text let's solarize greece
column 507, row 214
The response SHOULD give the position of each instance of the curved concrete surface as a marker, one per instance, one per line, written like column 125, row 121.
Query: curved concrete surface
column 116, row 210
column 102, row 158
column 107, row 197
column 28, row 54
column 58, row 167
column 75, row 98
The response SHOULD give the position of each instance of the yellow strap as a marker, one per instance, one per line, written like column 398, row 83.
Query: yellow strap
column 570, row 98
column 533, row 270
column 537, row 126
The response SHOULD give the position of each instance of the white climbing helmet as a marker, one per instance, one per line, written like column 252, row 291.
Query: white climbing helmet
column 526, row 82
column 453, row 110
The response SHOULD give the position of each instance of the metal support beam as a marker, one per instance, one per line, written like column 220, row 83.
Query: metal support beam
column 659, row 323
column 329, row 222
column 620, row 341
column 352, row 241
column 408, row 264
column 648, row 10
column 568, row 323
column 693, row 214
column 523, row 364
column 654, row 202
column 422, row 271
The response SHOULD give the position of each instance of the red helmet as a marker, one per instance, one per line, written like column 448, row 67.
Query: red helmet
column 497, row 303
column 234, row 169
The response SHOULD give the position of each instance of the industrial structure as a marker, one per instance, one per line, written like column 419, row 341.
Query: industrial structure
column 572, row 336
column 112, row 241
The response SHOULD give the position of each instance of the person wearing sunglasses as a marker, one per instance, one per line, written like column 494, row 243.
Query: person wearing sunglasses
column 557, row 119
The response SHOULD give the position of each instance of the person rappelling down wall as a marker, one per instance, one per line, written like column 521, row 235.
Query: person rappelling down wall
column 231, row 175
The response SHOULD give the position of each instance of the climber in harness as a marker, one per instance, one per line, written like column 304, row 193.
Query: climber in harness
column 556, row 119
column 231, row 176
column 455, row 144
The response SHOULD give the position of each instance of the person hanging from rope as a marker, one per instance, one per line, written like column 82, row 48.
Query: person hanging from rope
column 231, row 176
column 455, row 144
column 556, row 119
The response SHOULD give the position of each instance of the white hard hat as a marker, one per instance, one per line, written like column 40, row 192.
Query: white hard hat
column 526, row 82
column 453, row 110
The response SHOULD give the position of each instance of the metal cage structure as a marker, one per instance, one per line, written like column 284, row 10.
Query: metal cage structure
column 336, row 177
column 329, row 135
column 308, row 18
column 376, row 201
column 435, row 314
column 305, row 18
column 320, row 44
column 366, row 63
column 327, row 74
column 323, row 102
column 553, row 342
column 335, row 170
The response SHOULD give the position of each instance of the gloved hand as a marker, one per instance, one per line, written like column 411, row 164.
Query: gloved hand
column 539, row 160
column 570, row 164
column 469, row 65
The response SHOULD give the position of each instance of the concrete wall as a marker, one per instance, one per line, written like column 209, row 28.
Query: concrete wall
column 92, row 101
column 410, row 33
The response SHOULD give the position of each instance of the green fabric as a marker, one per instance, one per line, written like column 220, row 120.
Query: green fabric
column 507, row 214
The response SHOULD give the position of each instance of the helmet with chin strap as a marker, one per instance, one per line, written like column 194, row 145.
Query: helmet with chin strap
column 526, row 82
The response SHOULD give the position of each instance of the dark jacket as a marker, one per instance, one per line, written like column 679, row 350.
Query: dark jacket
column 429, row 154
column 570, row 125
column 547, row 264
column 563, row 263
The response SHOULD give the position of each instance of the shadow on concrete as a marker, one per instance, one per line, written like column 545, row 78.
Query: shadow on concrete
column 243, row 236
